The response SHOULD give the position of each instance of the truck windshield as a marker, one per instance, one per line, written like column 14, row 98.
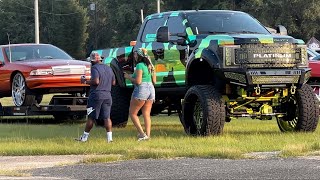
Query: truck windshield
column 224, row 23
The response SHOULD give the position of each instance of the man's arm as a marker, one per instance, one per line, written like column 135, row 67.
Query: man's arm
column 94, row 78
column 113, row 78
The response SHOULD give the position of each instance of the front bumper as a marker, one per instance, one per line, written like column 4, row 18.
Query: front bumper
column 268, row 77
column 65, row 82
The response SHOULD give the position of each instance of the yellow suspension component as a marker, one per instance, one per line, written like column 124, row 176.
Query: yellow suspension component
column 253, row 99
column 242, row 92
column 285, row 92
column 263, row 98
column 266, row 109
column 249, row 110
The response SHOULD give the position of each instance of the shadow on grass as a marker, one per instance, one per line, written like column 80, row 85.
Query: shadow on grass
column 252, row 132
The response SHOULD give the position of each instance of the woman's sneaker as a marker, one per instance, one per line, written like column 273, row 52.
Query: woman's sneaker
column 142, row 137
column 82, row 138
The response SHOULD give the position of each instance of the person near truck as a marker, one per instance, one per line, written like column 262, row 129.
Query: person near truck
column 99, row 101
column 143, row 95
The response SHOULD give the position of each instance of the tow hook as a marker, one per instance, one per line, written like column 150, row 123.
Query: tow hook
column 293, row 89
column 257, row 90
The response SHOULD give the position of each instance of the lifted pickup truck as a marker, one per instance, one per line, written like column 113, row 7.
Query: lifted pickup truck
column 215, row 65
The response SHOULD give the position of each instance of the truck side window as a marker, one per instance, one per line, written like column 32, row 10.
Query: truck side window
column 150, row 29
column 175, row 25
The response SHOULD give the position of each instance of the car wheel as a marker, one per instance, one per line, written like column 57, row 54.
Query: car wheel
column 21, row 95
column 302, row 111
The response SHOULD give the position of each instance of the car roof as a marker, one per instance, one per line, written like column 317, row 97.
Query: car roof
column 22, row 44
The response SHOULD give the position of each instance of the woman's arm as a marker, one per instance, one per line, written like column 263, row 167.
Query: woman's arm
column 136, row 80
column 153, row 76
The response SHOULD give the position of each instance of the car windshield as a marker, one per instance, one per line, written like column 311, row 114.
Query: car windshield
column 224, row 23
column 27, row 52
column 312, row 54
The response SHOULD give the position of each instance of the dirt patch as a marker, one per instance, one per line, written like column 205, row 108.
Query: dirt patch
column 8, row 163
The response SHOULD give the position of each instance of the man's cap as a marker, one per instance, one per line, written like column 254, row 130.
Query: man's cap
column 142, row 52
column 94, row 56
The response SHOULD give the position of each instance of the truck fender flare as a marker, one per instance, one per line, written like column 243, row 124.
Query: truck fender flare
column 117, row 72
column 207, row 56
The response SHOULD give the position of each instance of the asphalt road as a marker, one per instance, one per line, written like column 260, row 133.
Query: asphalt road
column 188, row 168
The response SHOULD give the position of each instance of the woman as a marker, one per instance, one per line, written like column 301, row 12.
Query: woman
column 143, row 95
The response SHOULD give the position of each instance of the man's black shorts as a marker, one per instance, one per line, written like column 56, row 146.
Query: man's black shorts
column 99, row 108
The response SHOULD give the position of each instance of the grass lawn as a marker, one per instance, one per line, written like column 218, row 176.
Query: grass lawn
column 168, row 140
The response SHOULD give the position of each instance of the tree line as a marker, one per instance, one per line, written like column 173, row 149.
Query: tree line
column 78, row 28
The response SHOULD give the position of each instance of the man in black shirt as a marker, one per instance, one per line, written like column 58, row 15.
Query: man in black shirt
column 99, row 101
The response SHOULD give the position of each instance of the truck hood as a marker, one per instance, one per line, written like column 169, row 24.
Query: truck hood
column 237, row 39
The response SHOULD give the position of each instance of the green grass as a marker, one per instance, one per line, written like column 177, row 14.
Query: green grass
column 7, row 101
column 241, row 136
column 168, row 140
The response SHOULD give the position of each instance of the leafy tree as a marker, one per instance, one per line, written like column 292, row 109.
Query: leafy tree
column 62, row 23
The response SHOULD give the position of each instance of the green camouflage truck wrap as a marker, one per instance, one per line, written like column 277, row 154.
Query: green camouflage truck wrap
column 215, row 65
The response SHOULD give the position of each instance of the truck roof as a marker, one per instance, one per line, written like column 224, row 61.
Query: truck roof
column 176, row 13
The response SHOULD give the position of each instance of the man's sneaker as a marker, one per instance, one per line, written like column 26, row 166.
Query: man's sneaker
column 82, row 138
column 142, row 137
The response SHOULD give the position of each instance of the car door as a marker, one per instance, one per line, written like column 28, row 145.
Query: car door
column 168, row 58
column 4, row 76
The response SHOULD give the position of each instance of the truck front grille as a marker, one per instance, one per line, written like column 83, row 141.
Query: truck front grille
column 275, row 79
column 268, row 55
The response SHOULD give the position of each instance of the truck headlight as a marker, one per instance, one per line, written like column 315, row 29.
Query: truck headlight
column 228, row 54
column 302, row 52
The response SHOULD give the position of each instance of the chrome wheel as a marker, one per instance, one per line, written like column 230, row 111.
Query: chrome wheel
column 18, row 89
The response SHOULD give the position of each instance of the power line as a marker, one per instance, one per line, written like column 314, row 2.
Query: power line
column 46, row 12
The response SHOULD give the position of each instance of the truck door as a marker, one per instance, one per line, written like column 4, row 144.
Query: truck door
column 168, row 58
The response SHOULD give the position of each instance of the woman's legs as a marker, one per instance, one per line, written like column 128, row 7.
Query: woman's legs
column 135, row 106
column 146, row 109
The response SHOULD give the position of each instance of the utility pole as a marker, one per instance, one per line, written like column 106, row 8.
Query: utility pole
column 158, row 6
column 93, row 7
column 36, row 21
column 142, row 18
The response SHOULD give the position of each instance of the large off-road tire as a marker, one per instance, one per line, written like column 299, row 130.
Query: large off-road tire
column 120, row 106
column 203, row 111
column 21, row 94
column 302, row 111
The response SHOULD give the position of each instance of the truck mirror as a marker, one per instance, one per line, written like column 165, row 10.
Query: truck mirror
column 282, row 30
column 163, row 34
